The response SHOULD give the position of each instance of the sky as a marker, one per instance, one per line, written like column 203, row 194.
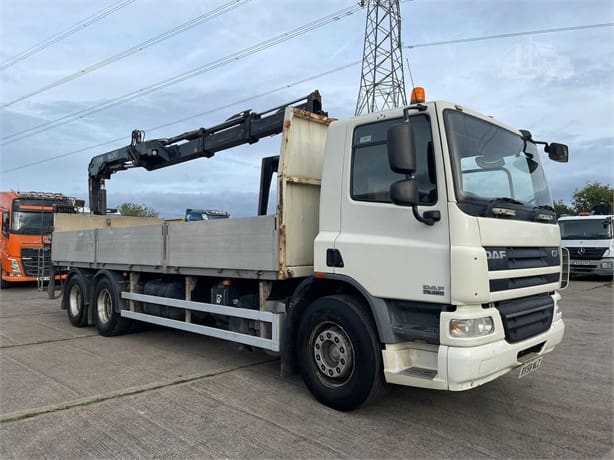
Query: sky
column 559, row 86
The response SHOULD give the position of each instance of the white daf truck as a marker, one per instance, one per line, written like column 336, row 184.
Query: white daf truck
column 416, row 246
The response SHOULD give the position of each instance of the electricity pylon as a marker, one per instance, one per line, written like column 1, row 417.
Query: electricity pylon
column 382, row 85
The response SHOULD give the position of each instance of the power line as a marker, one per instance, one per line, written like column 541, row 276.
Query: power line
column 196, row 115
column 65, row 33
column 135, row 49
column 184, row 76
column 514, row 34
column 337, row 69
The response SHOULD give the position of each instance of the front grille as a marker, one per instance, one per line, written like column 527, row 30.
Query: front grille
column 35, row 260
column 523, row 282
column 586, row 253
column 526, row 317
column 515, row 258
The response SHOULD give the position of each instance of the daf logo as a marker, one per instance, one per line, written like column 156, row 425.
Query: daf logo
column 581, row 251
column 496, row 254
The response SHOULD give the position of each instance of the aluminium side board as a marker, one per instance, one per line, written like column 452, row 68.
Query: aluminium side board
column 271, row 247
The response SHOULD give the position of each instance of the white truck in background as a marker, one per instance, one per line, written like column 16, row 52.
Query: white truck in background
column 590, row 242
column 416, row 246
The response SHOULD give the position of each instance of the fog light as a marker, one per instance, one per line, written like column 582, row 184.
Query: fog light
column 607, row 265
column 475, row 327
column 14, row 266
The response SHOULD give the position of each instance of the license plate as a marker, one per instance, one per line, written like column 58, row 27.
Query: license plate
column 529, row 367
column 580, row 262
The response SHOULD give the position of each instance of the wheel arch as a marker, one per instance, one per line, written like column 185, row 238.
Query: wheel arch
column 117, row 280
column 85, row 277
column 313, row 288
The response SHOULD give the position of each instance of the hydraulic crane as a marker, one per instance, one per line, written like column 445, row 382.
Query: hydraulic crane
column 246, row 127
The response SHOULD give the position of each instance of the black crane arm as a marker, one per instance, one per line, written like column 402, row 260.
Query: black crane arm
column 244, row 128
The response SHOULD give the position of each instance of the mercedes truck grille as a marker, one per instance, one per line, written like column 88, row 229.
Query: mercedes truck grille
column 586, row 253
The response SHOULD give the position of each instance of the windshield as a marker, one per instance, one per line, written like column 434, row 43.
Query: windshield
column 195, row 215
column 205, row 215
column 589, row 229
column 491, row 163
column 32, row 222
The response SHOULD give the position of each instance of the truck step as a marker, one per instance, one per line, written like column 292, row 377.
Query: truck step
column 419, row 372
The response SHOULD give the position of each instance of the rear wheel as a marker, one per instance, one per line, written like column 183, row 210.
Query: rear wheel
column 75, row 301
column 339, row 354
column 106, row 309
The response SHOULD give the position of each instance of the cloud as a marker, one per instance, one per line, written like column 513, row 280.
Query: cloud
column 559, row 86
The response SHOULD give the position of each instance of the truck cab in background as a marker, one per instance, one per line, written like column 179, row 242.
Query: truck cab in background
column 205, row 214
column 590, row 242
column 27, row 225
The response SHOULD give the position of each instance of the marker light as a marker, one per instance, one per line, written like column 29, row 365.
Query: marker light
column 417, row 95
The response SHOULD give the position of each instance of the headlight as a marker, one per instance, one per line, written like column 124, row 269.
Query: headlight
column 14, row 266
column 475, row 327
column 607, row 264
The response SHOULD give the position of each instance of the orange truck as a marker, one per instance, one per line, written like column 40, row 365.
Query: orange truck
column 25, row 239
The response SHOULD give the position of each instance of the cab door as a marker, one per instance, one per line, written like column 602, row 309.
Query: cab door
column 382, row 246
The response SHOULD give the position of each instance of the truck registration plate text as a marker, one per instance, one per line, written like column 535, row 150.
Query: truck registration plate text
column 529, row 367
column 580, row 262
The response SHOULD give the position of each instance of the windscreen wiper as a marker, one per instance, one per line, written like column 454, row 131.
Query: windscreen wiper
column 506, row 200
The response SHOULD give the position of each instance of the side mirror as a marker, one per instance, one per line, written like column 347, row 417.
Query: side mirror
column 558, row 152
column 401, row 153
column 404, row 193
column 5, row 223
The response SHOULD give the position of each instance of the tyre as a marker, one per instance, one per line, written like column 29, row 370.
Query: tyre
column 3, row 284
column 74, row 300
column 106, row 304
column 339, row 354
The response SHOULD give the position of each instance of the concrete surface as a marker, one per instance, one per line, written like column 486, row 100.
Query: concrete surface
column 67, row 393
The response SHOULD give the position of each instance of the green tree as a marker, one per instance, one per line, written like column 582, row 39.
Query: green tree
column 137, row 210
column 591, row 195
column 562, row 209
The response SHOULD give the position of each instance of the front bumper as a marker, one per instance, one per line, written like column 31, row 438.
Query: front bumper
column 603, row 267
column 461, row 368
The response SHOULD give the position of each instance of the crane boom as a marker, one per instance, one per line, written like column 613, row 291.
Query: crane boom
column 246, row 127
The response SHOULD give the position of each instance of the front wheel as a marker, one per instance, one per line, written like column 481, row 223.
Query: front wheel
column 106, row 307
column 3, row 284
column 339, row 354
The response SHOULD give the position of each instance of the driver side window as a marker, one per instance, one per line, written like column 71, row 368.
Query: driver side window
column 371, row 173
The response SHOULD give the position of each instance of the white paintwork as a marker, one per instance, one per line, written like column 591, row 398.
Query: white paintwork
column 383, row 246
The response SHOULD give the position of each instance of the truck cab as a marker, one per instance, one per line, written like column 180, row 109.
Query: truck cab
column 27, row 224
column 590, row 242
column 468, row 259
column 205, row 214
